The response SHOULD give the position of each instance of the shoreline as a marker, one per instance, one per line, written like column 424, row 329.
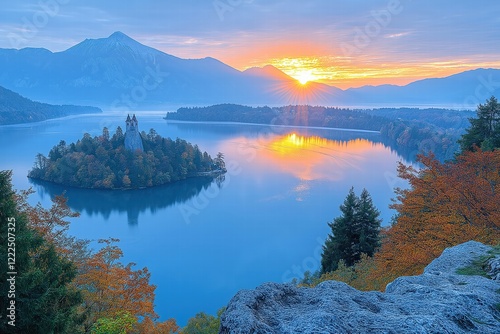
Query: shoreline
column 271, row 125
column 211, row 174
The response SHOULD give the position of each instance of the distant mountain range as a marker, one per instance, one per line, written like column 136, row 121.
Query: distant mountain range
column 120, row 73
column 16, row 109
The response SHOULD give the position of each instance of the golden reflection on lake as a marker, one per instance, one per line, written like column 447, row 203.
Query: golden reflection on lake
column 306, row 157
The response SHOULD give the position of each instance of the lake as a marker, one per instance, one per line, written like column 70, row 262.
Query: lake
column 204, row 241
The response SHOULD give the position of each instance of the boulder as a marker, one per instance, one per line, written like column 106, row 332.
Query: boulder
column 438, row 301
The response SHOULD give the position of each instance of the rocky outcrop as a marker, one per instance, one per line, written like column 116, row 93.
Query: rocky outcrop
column 438, row 301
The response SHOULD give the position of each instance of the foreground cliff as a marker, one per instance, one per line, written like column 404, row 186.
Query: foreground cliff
column 438, row 301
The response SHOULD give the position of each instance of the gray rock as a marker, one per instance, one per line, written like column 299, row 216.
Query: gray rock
column 494, row 265
column 438, row 301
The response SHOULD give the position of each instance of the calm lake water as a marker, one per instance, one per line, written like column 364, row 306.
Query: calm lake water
column 204, row 241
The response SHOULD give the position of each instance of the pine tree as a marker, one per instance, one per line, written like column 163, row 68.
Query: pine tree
column 45, row 302
column 338, row 244
column 354, row 233
column 484, row 131
column 367, row 226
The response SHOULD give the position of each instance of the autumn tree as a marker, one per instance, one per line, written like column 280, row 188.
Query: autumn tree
column 484, row 131
column 109, row 287
column 446, row 204
column 354, row 233
column 150, row 326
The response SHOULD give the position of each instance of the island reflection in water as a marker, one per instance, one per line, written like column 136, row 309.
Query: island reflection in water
column 133, row 202
column 306, row 158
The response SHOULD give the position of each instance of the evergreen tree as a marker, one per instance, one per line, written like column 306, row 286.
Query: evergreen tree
column 338, row 244
column 484, row 131
column 43, row 298
column 354, row 233
column 367, row 226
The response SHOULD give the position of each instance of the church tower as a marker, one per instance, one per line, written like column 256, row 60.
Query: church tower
column 133, row 140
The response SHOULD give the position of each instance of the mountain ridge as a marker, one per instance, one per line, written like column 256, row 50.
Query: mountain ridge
column 15, row 109
column 118, row 72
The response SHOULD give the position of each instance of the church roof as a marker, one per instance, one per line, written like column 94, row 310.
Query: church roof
column 134, row 119
column 128, row 118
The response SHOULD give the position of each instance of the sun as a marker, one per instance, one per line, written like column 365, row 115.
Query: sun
column 304, row 76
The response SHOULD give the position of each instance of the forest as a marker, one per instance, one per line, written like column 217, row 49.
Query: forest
column 103, row 162
column 300, row 115
column 15, row 109
column 65, row 287
column 408, row 130
column 446, row 204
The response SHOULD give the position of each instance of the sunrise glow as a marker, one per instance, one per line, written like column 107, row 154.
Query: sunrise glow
column 305, row 76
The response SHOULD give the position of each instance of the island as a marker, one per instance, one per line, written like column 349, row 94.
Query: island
column 130, row 160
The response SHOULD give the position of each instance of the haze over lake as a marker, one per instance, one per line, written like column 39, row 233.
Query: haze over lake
column 203, row 241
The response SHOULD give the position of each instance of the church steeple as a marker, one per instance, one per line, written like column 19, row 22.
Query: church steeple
column 133, row 140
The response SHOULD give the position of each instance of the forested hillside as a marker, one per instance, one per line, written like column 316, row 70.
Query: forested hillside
column 408, row 130
column 297, row 115
column 446, row 204
column 16, row 109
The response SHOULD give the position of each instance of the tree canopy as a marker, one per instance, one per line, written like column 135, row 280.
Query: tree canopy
column 484, row 131
column 354, row 233
column 44, row 298
column 102, row 162
column 64, row 286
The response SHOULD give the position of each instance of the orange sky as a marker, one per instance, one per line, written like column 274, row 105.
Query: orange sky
column 341, row 43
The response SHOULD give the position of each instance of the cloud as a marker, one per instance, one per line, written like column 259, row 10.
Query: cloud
column 251, row 32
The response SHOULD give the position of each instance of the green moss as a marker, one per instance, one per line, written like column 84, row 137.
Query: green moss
column 479, row 266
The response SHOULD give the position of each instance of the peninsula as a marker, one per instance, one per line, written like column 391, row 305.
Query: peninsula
column 129, row 160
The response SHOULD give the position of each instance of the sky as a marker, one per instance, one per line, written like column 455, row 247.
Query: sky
column 345, row 43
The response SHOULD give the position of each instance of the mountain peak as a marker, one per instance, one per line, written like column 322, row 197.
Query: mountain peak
column 116, row 43
column 268, row 71
column 119, row 36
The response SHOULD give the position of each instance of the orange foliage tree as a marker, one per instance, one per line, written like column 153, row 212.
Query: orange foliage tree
column 108, row 286
column 446, row 204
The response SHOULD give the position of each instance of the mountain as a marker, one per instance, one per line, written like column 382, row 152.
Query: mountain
column 17, row 109
column 118, row 72
column 268, row 71
column 462, row 90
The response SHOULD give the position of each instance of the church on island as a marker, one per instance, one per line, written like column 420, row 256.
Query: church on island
column 133, row 139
